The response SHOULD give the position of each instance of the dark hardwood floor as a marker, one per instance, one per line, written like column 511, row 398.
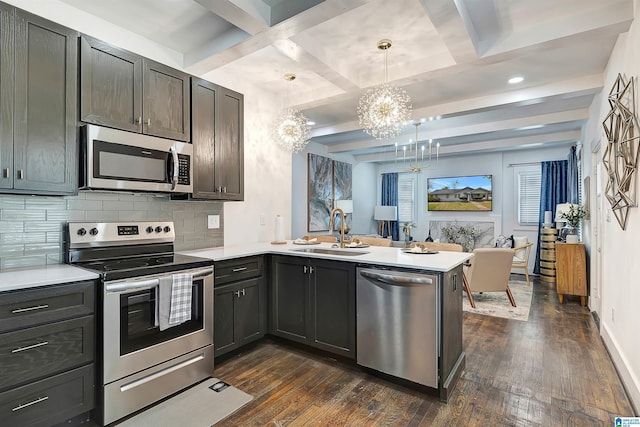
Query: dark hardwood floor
column 550, row 371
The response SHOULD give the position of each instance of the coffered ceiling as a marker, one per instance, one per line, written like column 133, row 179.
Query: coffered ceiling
column 453, row 57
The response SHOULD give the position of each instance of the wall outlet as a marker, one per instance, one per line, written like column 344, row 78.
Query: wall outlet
column 213, row 221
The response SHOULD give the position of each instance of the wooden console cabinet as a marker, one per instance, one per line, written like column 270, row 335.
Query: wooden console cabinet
column 571, row 271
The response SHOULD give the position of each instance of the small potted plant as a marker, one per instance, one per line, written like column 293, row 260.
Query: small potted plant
column 573, row 216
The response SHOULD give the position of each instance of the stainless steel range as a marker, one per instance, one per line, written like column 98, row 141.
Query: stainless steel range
column 144, row 356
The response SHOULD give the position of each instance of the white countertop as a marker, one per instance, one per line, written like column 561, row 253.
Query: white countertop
column 376, row 255
column 23, row 278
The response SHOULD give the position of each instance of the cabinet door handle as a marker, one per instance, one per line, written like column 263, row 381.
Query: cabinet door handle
column 148, row 122
column 35, row 307
column 5, row 173
column 237, row 294
column 29, row 347
column 236, row 270
column 219, row 189
column 224, row 189
column 138, row 120
column 242, row 292
column 20, row 174
column 33, row 402
column 310, row 270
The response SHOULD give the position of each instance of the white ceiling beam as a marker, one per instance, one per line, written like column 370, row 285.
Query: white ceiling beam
column 456, row 32
column 574, row 87
column 526, row 142
column 610, row 19
column 495, row 126
column 235, row 15
column 295, row 52
column 199, row 64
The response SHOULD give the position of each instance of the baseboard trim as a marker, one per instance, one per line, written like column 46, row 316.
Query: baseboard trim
column 629, row 381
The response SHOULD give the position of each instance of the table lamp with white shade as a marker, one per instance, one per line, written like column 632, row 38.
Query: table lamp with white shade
column 385, row 214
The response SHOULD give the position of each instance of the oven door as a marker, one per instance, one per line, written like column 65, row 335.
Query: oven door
column 131, row 339
column 118, row 160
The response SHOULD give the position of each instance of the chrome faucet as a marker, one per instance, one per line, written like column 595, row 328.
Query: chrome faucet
column 342, row 223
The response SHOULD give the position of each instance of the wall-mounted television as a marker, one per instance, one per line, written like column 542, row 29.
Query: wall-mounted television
column 460, row 193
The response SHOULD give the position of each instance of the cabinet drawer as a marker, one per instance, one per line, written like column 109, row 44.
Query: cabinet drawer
column 24, row 308
column 43, row 350
column 237, row 269
column 50, row 401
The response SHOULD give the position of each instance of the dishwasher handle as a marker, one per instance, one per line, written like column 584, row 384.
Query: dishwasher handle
column 390, row 279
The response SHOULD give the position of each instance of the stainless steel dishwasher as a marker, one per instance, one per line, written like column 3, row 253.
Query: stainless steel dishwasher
column 398, row 323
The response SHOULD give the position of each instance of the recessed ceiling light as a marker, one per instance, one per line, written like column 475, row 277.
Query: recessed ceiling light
column 514, row 80
column 310, row 123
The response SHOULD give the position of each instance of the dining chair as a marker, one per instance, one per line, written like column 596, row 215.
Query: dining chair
column 322, row 238
column 521, row 257
column 373, row 241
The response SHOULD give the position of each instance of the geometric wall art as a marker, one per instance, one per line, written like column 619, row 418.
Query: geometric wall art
column 620, row 157
column 328, row 180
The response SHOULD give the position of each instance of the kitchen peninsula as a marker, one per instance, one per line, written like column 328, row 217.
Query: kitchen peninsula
column 309, row 297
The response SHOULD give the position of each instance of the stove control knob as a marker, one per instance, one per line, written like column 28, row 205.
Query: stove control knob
column 93, row 231
column 158, row 229
column 167, row 229
column 149, row 229
column 82, row 232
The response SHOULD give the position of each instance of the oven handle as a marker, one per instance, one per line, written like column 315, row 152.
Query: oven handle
column 147, row 284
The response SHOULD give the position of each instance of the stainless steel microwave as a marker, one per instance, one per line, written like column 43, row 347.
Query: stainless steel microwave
column 118, row 160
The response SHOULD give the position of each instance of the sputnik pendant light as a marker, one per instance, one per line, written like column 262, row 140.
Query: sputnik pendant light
column 414, row 158
column 383, row 108
column 290, row 129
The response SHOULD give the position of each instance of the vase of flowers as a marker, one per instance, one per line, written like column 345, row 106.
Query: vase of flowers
column 406, row 230
column 569, row 233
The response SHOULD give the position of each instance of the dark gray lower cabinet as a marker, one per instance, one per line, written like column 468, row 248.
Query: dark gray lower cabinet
column 47, row 350
column 313, row 302
column 240, row 303
column 238, row 314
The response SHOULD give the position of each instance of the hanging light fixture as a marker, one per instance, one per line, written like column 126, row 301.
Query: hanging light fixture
column 383, row 109
column 414, row 159
column 291, row 130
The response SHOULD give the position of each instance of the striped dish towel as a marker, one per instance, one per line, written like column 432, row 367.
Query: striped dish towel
column 180, row 298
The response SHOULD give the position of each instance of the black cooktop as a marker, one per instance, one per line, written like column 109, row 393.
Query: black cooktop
column 123, row 268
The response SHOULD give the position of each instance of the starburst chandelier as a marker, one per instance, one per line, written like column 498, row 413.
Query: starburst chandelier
column 291, row 129
column 383, row 109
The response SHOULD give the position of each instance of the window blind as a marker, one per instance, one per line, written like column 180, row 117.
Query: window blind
column 529, row 197
column 406, row 196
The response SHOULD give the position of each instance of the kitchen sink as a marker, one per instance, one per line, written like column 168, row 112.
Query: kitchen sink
column 342, row 252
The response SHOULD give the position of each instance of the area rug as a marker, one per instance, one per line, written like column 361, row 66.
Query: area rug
column 198, row 406
column 497, row 303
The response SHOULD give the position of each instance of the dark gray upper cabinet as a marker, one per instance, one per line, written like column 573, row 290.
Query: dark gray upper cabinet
column 126, row 91
column 218, row 141
column 111, row 91
column 38, row 151
column 7, row 14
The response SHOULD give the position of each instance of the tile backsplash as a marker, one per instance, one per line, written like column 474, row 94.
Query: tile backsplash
column 31, row 227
